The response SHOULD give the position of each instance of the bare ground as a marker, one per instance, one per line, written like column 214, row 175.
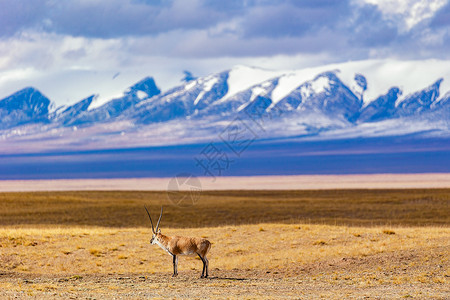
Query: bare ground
column 48, row 250
column 407, row 274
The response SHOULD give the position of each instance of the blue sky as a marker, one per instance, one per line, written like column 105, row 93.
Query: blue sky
column 48, row 41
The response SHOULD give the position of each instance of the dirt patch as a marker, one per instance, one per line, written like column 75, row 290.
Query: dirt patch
column 411, row 273
column 95, row 245
column 324, row 280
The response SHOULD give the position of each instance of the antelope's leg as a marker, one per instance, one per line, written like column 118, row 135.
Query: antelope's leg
column 207, row 265
column 204, row 265
column 175, row 266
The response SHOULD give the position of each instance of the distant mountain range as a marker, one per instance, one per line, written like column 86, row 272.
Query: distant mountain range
column 330, row 102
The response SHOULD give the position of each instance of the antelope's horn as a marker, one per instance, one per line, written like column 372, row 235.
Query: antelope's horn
column 153, row 228
column 159, row 220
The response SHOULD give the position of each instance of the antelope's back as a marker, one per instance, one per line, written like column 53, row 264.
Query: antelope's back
column 182, row 245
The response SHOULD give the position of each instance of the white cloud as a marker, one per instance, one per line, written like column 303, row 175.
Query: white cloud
column 408, row 12
column 68, row 58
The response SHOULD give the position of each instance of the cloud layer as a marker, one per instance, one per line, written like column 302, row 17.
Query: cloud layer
column 49, row 35
column 263, row 27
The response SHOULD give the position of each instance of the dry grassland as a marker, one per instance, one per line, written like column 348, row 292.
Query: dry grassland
column 285, row 244
column 220, row 208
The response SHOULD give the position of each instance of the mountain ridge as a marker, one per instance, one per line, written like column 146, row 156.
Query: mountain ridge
column 291, row 103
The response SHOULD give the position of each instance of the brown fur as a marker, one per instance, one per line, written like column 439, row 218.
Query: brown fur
column 181, row 245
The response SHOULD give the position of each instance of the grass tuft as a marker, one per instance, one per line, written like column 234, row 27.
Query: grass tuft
column 95, row 252
column 388, row 231
column 320, row 243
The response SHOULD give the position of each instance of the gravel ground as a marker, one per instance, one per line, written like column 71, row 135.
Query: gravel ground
column 363, row 278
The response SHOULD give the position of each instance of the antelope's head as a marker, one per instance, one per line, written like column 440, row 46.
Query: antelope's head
column 157, row 231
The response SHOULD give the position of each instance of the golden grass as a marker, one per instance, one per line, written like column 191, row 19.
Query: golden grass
column 79, row 250
column 285, row 244
column 221, row 208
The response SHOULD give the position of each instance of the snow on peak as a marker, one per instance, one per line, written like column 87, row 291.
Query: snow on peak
column 257, row 91
column 382, row 75
column 141, row 95
column 241, row 78
column 368, row 79
column 292, row 80
column 207, row 86
column 189, row 85
column 100, row 100
column 320, row 85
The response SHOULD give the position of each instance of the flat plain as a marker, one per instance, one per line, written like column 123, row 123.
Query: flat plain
column 373, row 244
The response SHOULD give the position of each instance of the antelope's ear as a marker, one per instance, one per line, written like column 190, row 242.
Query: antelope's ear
column 159, row 230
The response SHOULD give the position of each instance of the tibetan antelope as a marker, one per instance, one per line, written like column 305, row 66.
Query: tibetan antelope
column 180, row 245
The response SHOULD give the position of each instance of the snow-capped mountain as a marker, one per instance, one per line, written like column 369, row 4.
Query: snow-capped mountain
column 181, row 102
column 69, row 115
column 88, row 112
column 381, row 108
column 25, row 106
column 326, row 94
column 352, row 99
column 420, row 101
